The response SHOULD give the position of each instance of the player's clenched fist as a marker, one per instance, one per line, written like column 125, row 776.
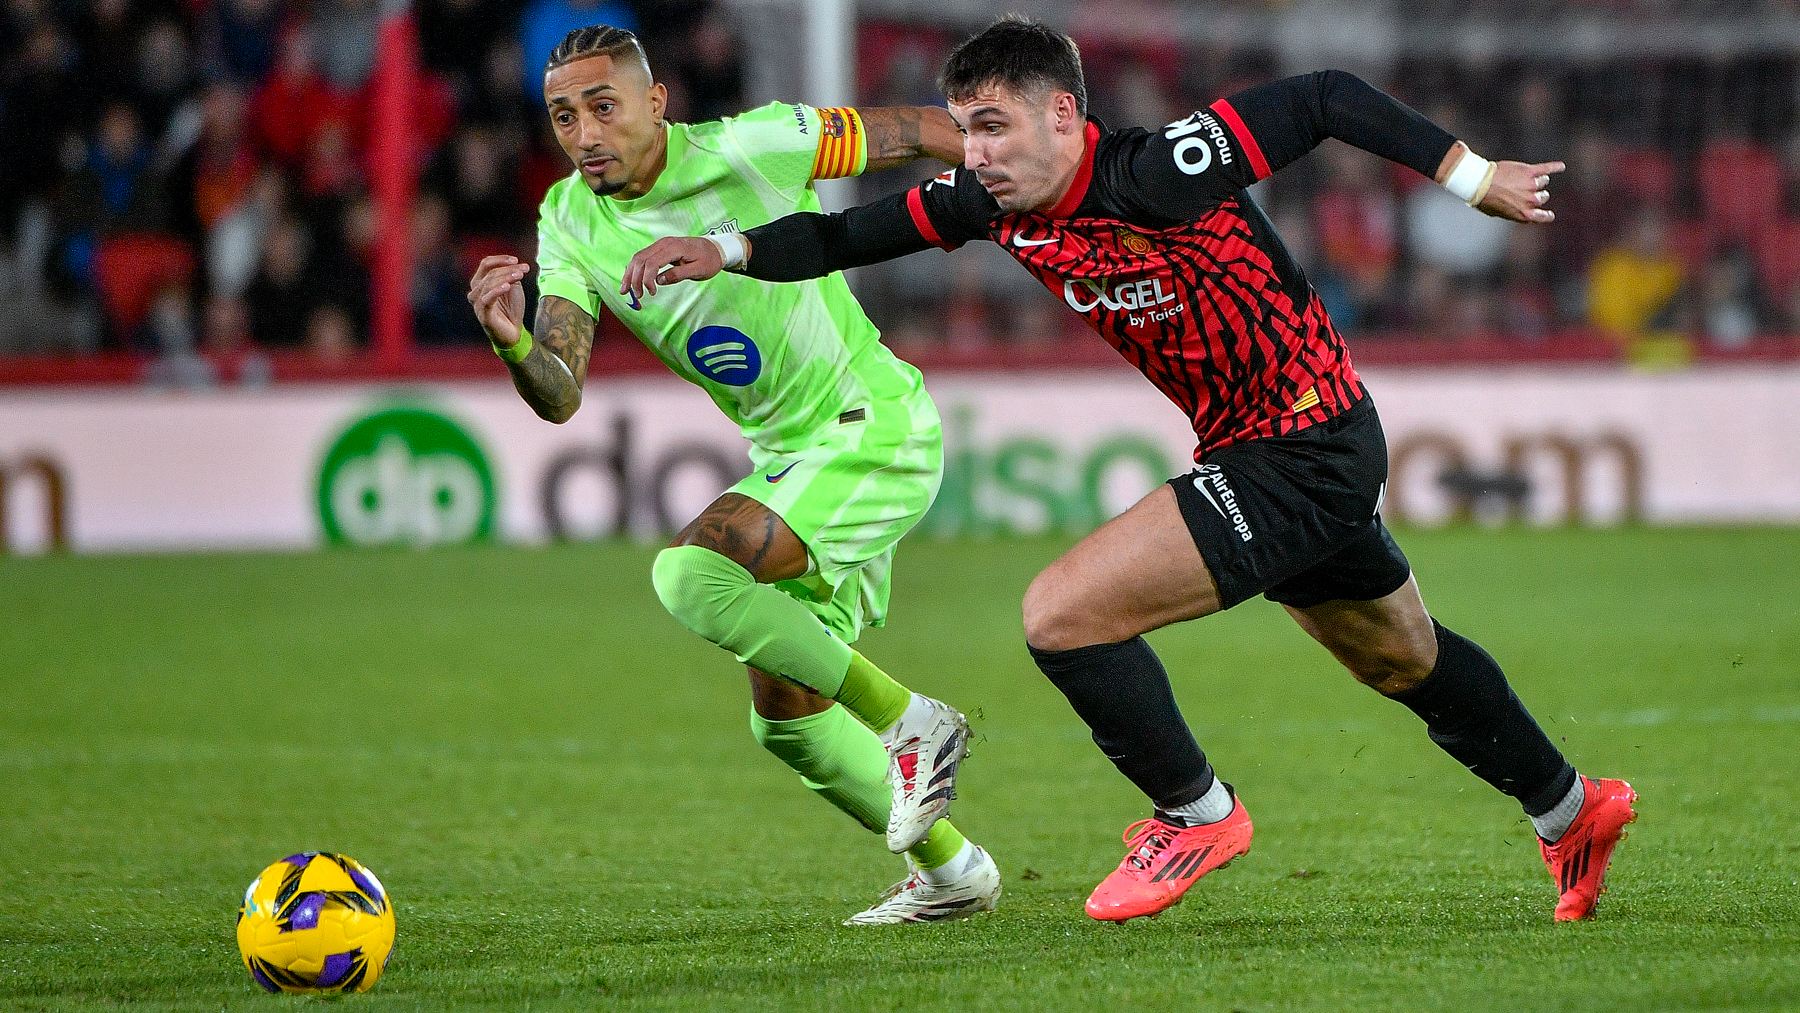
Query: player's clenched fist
column 1520, row 190
column 666, row 261
column 497, row 293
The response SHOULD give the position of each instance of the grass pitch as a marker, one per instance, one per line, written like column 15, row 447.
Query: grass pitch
column 558, row 786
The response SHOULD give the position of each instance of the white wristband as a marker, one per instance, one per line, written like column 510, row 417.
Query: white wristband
column 1465, row 180
column 732, row 249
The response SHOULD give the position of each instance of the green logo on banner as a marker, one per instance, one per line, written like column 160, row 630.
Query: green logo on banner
column 406, row 476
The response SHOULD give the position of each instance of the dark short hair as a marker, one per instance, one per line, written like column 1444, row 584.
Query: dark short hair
column 1018, row 53
column 597, row 40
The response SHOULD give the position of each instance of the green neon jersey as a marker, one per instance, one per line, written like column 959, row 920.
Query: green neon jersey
column 780, row 360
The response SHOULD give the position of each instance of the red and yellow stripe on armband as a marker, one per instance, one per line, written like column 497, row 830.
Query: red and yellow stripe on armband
column 843, row 150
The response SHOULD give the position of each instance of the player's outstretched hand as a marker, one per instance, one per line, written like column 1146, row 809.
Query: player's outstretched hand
column 666, row 261
column 1520, row 190
column 497, row 293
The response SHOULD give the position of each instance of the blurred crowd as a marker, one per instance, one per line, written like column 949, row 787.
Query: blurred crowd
column 1678, row 219
column 194, row 175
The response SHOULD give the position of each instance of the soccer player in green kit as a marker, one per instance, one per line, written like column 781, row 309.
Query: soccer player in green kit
column 785, row 569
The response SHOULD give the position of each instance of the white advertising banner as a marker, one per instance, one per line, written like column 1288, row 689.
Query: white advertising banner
column 117, row 469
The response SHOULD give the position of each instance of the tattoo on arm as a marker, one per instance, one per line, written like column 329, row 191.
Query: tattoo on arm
column 901, row 134
column 551, row 376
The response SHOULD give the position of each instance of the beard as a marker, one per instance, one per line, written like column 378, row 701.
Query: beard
column 602, row 188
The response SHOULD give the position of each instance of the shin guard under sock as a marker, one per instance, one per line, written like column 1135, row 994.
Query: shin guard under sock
column 1123, row 693
column 1472, row 714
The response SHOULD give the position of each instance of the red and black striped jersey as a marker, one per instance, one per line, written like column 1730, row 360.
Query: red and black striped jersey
column 1158, row 246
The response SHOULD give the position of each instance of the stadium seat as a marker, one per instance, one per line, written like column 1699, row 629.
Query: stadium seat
column 1740, row 185
column 1777, row 250
column 1692, row 241
column 1647, row 173
column 128, row 269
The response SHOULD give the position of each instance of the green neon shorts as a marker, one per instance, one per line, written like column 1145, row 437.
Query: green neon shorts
column 850, row 497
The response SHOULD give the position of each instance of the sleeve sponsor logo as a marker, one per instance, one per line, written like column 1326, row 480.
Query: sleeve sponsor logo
column 800, row 118
column 1192, row 153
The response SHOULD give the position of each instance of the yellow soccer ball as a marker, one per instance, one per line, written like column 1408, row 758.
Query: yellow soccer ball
column 316, row 922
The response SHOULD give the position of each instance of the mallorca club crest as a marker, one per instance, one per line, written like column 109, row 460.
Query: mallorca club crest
column 1133, row 241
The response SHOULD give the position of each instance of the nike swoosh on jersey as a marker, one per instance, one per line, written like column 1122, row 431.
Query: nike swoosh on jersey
column 778, row 476
column 1025, row 244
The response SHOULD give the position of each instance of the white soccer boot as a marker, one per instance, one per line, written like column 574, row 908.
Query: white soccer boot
column 924, row 748
column 913, row 899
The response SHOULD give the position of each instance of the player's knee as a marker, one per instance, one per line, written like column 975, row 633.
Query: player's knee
column 694, row 583
column 1053, row 619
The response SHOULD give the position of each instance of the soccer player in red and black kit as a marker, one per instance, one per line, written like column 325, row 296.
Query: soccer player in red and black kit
column 1150, row 236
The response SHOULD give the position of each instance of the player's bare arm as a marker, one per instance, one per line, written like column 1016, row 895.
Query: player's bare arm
column 901, row 134
column 550, row 375
column 549, row 378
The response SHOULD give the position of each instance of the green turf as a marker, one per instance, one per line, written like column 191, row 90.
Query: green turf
column 558, row 786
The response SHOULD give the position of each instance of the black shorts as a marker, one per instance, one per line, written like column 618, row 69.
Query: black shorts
column 1294, row 517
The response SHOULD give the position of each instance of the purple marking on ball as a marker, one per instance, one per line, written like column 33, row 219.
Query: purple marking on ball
column 337, row 968
column 367, row 883
column 300, row 860
column 306, row 912
column 263, row 979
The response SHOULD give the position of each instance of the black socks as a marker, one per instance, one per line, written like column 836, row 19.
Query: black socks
column 1122, row 692
column 1472, row 714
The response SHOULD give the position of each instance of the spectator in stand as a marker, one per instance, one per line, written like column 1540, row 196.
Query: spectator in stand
column 482, row 201
column 237, row 38
column 713, row 72
column 106, row 44
column 1730, row 305
column 37, row 88
column 1441, row 233
column 165, row 73
column 294, row 103
column 1538, row 128
column 331, row 334
column 343, row 36
column 234, row 243
column 278, row 297
column 1429, row 309
column 1635, row 284
column 440, row 306
column 1353, row 220
column 1526, row 307
column 494, row 100
column 216, row 173
column 446, row 30
column 117, row 159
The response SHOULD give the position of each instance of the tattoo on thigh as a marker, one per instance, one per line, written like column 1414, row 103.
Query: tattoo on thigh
column 736, row 527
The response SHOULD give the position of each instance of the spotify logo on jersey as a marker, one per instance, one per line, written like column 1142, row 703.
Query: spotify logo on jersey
column 725, row 355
